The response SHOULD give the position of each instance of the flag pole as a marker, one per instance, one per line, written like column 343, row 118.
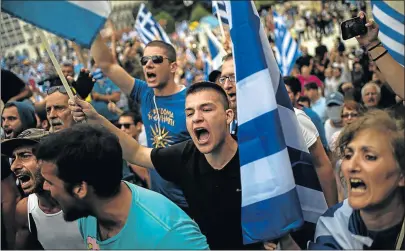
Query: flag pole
column 221, row 27
column 56, row 64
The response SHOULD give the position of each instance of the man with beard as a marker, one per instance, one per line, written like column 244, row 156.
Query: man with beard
column 82, row 168
column 39, row 220
column 17, row 117
column 57, row 109
column 161, row 100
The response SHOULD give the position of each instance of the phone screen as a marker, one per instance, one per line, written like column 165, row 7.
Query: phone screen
column 353, row 27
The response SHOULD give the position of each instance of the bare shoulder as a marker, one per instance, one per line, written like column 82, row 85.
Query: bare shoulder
column 21, row 213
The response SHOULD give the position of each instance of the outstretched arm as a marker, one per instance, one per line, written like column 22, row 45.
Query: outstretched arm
column 393, row 72
column 132, row 151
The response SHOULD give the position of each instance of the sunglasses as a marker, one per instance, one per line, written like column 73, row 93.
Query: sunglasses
column 353, row 115
column 156, row 59
column 59, row 88
column 125, row 125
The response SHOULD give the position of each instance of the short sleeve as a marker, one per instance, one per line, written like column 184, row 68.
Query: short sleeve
column 168, row 162
column 308, row 128
column 186, row 236
column 80, row 224
column 140, row 88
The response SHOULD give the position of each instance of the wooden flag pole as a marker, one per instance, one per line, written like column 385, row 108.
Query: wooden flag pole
column 56, row 64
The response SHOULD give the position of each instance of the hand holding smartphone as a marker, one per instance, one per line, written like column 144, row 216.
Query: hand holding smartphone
column 353, row 27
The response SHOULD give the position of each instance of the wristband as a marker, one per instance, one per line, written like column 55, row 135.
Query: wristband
column 382, row 54
column 375, row 46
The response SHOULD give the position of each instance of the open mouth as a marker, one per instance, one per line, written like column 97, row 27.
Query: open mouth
column 357, row 185
column 232, row 96
column 24, row 180
column 202, row 135
column 150, row 76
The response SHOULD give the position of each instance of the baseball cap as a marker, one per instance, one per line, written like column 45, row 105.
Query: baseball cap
column 335, row 98
column 28, row 137
column 213, row 75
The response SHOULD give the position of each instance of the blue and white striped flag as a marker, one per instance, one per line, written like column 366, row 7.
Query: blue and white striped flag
column 147, row 27
column 390, row 17
column 78, row 21
column 287, row 49
column 218, row 8
column 215, row 49
column 280, row 189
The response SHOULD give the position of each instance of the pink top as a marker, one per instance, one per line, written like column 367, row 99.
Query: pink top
column 311, row 78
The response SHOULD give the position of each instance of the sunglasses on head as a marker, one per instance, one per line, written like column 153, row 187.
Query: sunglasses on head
column 156, row 59
column 125, row 125
column 59, row 88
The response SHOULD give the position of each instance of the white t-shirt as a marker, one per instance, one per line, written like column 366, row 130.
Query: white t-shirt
column 308, row 128
column 329, row 131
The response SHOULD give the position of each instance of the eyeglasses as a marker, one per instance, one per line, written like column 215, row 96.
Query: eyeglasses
column 231, row 78
column 125, row 125
column 59, row 88
column 347, row 115
column 156, row 59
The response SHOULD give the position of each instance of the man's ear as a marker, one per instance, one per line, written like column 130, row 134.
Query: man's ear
column 230, row 115
column 80, row 191
column 173, row 67
column 139, row 126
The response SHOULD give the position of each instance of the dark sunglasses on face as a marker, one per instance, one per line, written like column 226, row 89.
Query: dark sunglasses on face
column 59, row 88
column 125, row 125
column 347, row 115
column 156, row 59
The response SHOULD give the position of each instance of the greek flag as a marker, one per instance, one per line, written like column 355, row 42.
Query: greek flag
column 78, row 21
column 390, row 17
column 286, row 50
column 219, row 9
column 215, row 48
column 280, row 188
column 147, row 27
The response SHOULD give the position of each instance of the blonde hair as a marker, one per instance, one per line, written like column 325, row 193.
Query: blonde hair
column 381, row 121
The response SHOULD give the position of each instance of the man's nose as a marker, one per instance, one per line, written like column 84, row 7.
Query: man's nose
column 52, row 113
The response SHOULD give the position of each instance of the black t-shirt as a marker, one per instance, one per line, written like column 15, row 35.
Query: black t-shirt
column 214, row 196
column 11, row 85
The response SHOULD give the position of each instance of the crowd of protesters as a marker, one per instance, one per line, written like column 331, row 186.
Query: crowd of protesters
column 146, row 155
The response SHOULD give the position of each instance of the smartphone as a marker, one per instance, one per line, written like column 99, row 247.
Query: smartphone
column 353, row 27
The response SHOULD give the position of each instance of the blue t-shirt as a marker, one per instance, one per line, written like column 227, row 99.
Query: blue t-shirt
column 172, row 130
column 105, row 87
column 318, row 124
column 153, row 222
